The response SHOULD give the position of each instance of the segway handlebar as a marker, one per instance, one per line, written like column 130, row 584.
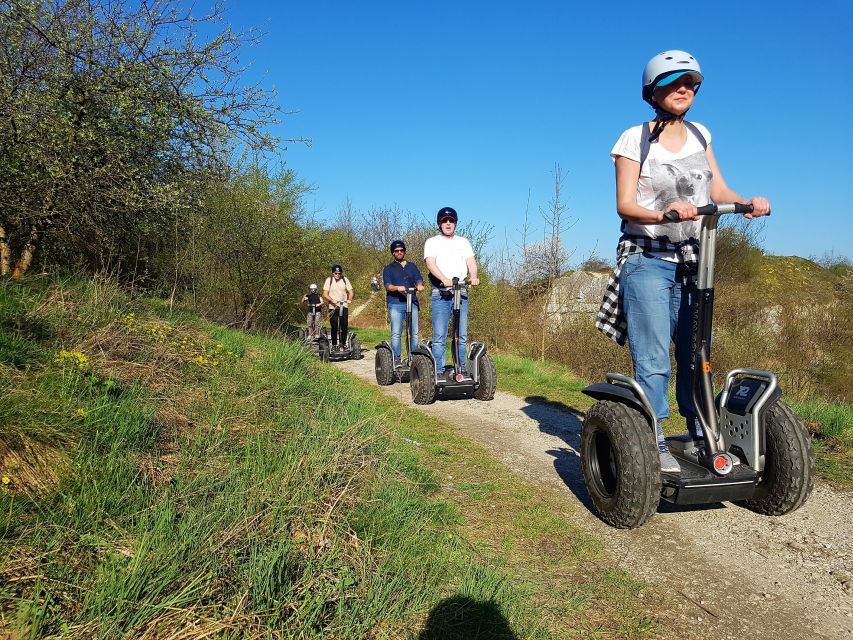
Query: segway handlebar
column 713, row 209
column 459, row 284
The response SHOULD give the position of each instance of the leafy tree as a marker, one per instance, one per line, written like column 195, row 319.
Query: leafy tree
column 112, row 114
column 249, row 253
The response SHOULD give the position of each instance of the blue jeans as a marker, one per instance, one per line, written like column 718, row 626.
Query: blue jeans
column 442, row 311
column 397, row 312
column 658, row 309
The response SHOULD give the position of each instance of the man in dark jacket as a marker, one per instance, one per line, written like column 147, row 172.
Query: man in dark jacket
column 398, row 276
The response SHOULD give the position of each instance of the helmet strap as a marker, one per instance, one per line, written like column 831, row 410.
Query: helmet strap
column 662, row 117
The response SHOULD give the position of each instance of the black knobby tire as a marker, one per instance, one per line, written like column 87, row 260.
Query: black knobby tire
column 384, row 366
column 355, row 345
column 422, row 380
column 488, row 379
column 789, row 464
column 302, row 334
column 621, row 465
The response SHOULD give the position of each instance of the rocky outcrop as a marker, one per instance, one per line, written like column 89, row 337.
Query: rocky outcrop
column 577, row 293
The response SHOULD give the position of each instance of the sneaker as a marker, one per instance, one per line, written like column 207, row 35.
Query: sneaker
column 441, row 378
column 668, row 463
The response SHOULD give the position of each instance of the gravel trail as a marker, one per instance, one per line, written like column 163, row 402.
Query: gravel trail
column 715, row 571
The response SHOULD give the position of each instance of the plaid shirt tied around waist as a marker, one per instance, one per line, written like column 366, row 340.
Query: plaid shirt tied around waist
column 611, row 315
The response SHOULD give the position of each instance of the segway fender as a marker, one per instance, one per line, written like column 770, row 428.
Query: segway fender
column 477, row 350
column 383, row 345
column 618, row 393
column 424, row 352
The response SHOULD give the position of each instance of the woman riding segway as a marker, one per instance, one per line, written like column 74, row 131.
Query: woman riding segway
column 665, row 171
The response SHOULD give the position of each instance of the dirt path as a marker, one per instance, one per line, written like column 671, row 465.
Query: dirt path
column 357, row 311
column 718, row 571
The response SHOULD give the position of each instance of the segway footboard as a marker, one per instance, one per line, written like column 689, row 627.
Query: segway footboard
column 697, row 485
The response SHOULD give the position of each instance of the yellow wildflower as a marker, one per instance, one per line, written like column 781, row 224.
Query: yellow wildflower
column 81, row 411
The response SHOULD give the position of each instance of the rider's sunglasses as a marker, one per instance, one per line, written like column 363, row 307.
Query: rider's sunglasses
column 446, row 220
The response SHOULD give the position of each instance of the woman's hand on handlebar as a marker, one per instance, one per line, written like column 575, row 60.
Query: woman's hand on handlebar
column 685, row 211
column 474, row 282
column 760, row 207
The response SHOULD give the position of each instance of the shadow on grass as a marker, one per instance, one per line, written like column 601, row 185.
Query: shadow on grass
column 462, row 618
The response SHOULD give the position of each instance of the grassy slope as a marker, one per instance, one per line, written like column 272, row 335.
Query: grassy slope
column 170, row 478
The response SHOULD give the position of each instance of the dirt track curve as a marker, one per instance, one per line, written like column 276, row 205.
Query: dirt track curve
column 729, row 574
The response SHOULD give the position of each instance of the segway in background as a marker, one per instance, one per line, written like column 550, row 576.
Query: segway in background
column 480, row 379
column 350, row 350
column 754, row 451
column 319, row 346
column 387, row 370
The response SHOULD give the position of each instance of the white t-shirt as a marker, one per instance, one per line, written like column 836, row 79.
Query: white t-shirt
column 338, row 290
column 450, row 255
column 666, row 177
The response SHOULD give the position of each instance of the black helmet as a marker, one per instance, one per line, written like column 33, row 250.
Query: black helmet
column 336, row 268
column 446, row 212
column 397, row 244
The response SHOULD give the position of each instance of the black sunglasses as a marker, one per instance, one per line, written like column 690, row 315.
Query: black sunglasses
column 443, row 220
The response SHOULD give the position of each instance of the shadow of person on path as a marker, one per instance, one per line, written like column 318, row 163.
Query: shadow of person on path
column 564, row 422
column 462, row 618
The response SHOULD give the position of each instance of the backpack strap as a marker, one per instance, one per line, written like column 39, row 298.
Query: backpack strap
column 646, row 133
column 645, row 147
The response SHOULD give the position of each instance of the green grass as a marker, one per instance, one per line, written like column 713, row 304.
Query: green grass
column 544, row 381
column 161, row 485
column 832, row 425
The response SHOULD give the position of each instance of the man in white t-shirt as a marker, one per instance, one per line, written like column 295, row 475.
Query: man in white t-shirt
column 448, row 256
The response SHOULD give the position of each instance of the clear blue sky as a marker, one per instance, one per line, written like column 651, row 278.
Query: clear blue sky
column 471, row 104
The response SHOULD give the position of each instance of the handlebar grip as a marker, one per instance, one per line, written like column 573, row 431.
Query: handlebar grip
column 706, row 210
column 743, row 208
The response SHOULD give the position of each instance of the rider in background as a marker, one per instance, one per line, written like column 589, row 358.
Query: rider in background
column 398, row 276
column 315, row 311
column 664, row 165
column 337, row 290
column 448, row 256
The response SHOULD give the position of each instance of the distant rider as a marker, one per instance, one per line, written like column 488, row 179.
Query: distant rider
column 448, row 256
column 315, row 311
column 398, row 276
column 337, row 290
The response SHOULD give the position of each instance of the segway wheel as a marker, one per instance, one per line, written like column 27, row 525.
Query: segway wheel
column 789, row 466
column 422, row 380
column 384, row 367
column 488, row 376
column 355, row 345
column 323, row 350
column 302, row 334
column 621, row 465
